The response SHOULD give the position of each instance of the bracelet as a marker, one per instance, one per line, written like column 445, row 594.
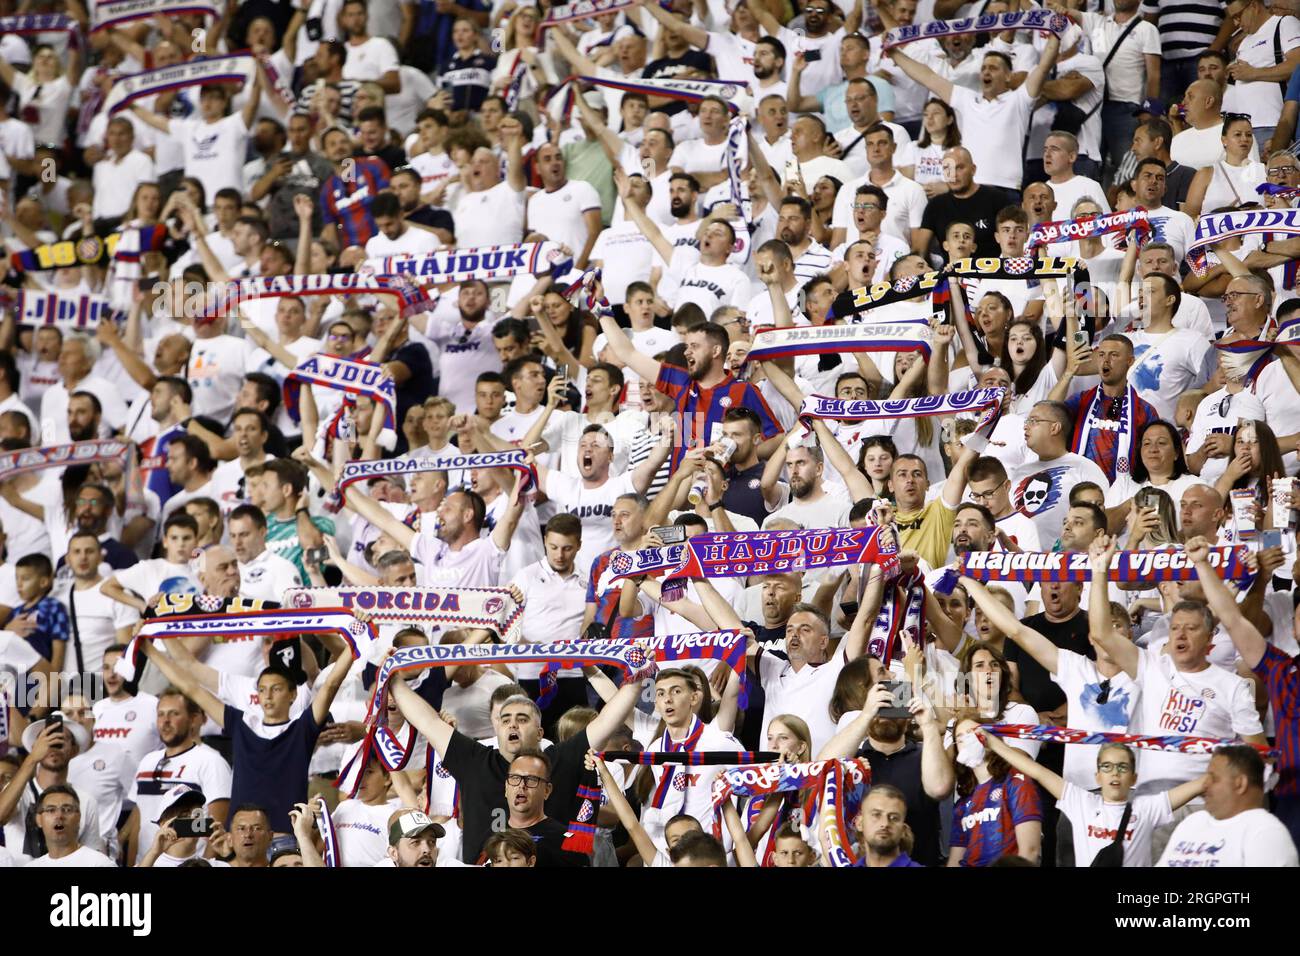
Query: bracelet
column 715, row 506
column 305, row 511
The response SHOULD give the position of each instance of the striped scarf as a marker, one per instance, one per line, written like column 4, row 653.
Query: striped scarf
column 236, row 68
column 1123, row 428
column 515, row 459
column 904, row 288
column 1127, row 567
column 772, row 344
column 68, row 313
column 732, row 92
column 27, row 460
column 410, row 298
column 344, row 375
column 108, row 14
column 1216, row 227
column 491, row 608
column 984, row 402
column 489, row 263
column 1090, row 227
column 1039, row 20
column 1167, row 743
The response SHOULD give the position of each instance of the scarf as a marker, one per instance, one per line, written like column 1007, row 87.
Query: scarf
column 1085, row 424
column 26, row 460
column 1029, row 268
column 344, row 375
column 515, row 87
column 902, row 611
column 325, row 823
column 827, row 778
column 490, row 263
column 107, row 14
column 984, row 402
column 1127, row 567
column 742, row 553
column 71, row 253
column 240, row 616
column 771, row 344
column 1169, row 743
column 731, row 92
column 68, row 313
column 1244, row 359
column 28, row 24
column 1090, row 227
column 1216, row 227
column 491, row 608
column 236, row 68
column 737, row 157
column 514, row 459
column 583, row 10
column 904, row 288
column 1041, row 21
column 237, row 291
column 1272, row 189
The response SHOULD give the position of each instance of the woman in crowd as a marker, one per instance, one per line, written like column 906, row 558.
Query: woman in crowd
column 999, row 812
column 939, row 132
column 1231, row 181
column 1160, row 463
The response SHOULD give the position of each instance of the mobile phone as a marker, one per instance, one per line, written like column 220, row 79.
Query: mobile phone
column 533, row 324
column 901, row 692
column 1146, row 498
column 315, row 556
column 670, row 533
column 185, row 827
column 1271, row 538
column 849, row 608
column 1080, row 337
column 812, row 56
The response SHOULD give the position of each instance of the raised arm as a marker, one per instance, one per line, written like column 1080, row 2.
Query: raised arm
column 922, row 74
column 505, row 529
column 182, row 677
column 368, row 508
column 649, row 228
column 626, row 815
column 954, row 486
column 613, row 715
column 1121, row 650
column 858, row 484
column 1034, row 644
column 421, row 716
column 1021, row 761
column 338, row 672
column 1038, row 76
column 160, row 123
column 627, row 353
column 1245, row 636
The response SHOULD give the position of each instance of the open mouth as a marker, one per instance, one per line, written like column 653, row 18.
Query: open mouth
column 512, row 737
column 424, row 861
column 586, row 461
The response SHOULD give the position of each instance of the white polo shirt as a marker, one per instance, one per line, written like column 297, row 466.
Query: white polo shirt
column 267, row 577
column 559, row 214
column 804, row 692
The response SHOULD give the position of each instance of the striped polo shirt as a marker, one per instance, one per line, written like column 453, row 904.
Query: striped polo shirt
column 1187, row 27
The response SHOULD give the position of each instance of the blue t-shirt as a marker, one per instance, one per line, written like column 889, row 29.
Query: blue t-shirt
column 271, row 773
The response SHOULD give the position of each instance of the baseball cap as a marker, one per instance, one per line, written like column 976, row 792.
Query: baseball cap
column 411, row 823
column 282, row 846
column 180, row 797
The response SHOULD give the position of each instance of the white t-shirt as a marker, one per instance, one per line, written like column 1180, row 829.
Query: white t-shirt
column 115, row 181
column 1171, row 226
column 1095, row 823
column 1199, row 148
column 625, row 255
column 490, row 217
column 82, row 858
column 215, row 373
column 1081, row 684
column 559, row 214
column 147, row 578
column 988, row 126
column 1251, row 838
column 477, row 565
column 1260, row 99
column 98, row 618
column 362, row 831
column 690, row 280
column 903, row 213
column 1041, row 490
column 412, row 242
column 1126, row 74
column 1208, row 703
column 214, row 152
column 1075, row 188
column 130, row 724
column 1168, row 364
column 267, row 577
column 697, row 156
column 369, row 60
column 200, row 766
column 594, row 507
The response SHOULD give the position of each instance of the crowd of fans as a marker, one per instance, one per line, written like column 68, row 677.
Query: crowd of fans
column 377, row 128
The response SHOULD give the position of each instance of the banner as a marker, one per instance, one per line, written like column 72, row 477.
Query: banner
column 1042, row 21
column 115, row 13
column 352, row 377
column 68, row 313
column 489, row 263
column 771, row 344
column 742, row 553
column 903, row 289
column 33, row 23
column 735, row 93
column 1089, row 227
column 27, row 460
column 984, row 402
column 514, row 459
column 492, row 608
column 584, row 10
column 411, row 298
column 1127, row 567
column 235, row 68
column 1215, row 227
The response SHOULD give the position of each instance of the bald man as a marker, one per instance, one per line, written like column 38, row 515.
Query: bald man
column 965, row 201
column 1200, row 144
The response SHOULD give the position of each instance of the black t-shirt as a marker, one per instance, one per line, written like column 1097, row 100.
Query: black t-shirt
column 481, row 773
column 548, row 836
column 1178, row 179
column 469, row 78
column 435, row 217
column 980, row 209
column 415, row 389
column 674, row 68
column 744, row 496
column 1036, row 685
column 392, row 156
column 271, row 773
column 903, row 770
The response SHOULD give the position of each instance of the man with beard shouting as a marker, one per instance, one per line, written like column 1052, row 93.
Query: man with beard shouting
column 921, row 772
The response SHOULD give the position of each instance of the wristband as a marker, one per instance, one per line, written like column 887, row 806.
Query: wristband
column 715, row 506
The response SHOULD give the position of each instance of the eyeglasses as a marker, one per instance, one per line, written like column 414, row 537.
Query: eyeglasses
column 866, row 205
column 527, row 781
column 63, row 809
column 1279, row 170
column 1109, row 767
column 1233, row 296
column 1037, row 421
column 984, row 495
